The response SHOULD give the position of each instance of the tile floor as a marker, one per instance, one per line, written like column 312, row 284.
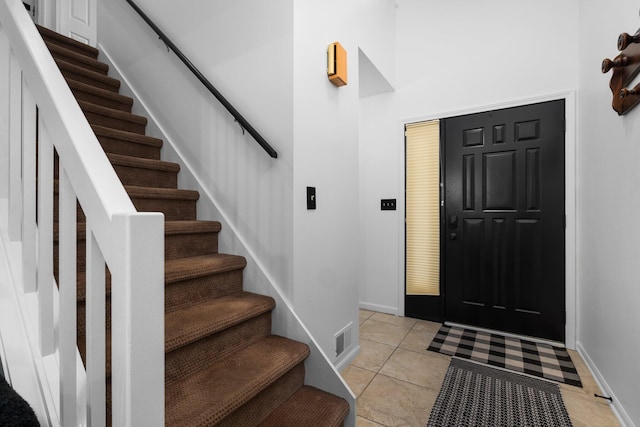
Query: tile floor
column 396, row 380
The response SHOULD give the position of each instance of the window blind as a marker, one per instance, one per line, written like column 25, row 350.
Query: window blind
column 423, row 208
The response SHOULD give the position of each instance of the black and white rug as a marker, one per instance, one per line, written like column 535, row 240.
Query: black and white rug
column 14, row 410
column 528, row 357
column 478, row 395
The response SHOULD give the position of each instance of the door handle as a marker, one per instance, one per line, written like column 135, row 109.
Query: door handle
column 453, row 236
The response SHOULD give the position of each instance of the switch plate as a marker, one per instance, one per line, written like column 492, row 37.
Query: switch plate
column 388, row 204
column 311, row 197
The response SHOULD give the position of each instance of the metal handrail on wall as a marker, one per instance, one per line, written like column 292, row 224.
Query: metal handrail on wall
column 237, row 116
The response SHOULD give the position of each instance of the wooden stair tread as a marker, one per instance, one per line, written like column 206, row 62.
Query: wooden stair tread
column 112, row 112
column 170, row 228
column 209, row 395
column 102, row 131
column 52, row 35
column 103, row 93
column 191, row 227
column 81, row 227
column 135, row 191
column 309, row 406
column 221, row 360
column 176, row 270
column 141, row 163
column 83, row 353
column 76, row 58
column 204, row 318
column 161, row 193
column 81, row 291
column 112, row 83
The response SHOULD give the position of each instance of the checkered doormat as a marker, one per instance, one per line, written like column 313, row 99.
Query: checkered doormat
column 528, row 357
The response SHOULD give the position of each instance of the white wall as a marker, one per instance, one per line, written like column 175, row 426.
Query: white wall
column 4, row 115
column 378, row 230
column 452, row 57
column 326, row 157
column 447, row 58
column 47, row 13
column 608, row 176
column 245, row 50
column 376, row 26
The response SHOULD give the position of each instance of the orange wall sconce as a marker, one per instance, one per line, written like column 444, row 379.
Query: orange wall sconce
column 337, row 64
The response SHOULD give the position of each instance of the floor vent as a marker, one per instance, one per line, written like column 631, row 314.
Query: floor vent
column 343, row 340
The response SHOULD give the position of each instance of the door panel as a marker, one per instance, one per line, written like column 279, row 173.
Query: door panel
column 504, row 240
column 499, row 181
column 473, row 269
column 78, row 20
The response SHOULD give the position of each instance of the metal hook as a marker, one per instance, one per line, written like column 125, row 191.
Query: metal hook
column 240, row 124
column 165, row 43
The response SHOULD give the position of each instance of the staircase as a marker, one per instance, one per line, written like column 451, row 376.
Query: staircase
column 222, row 364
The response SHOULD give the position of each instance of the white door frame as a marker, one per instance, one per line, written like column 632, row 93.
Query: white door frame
column 570, row 197
column 35, row 9
column 48, row 13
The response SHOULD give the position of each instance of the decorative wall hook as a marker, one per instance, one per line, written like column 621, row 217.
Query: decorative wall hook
column 607, row 64
column 625, row 67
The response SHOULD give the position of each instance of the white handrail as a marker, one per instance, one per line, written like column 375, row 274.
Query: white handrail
column 131, row 243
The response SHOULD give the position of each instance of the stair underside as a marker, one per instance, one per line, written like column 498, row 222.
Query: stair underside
column 222, row 364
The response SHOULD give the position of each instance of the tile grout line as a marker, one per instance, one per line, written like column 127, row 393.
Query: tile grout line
column 383, row 364
column 395, row 349
column 568, row 394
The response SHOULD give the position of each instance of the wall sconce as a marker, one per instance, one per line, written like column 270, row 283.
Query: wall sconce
column 337, row 64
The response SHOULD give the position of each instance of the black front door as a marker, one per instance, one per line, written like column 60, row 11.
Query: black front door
column 504, row 220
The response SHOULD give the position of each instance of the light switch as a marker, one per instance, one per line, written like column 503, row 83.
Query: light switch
column 311, row 197
column 388, row 204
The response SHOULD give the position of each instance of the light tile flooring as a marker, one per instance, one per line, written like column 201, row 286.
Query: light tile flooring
column 396, row 380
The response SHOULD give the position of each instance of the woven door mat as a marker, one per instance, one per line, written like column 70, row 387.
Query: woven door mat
column 515, row 354
column 477, row 395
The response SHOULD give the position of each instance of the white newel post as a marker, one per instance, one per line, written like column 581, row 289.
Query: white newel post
column 137, row 300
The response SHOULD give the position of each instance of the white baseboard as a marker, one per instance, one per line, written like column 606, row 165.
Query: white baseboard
column 346, row 360
column 379, row 308
column 617, row 409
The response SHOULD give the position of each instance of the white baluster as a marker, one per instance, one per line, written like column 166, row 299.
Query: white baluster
column 95, row 302
column 45, row 239
column 28, row 190
column 4, row 113
column 15, row 150
column 67, row 284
